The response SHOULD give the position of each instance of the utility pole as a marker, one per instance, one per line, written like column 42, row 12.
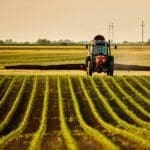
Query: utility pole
column 111, row 32
column 142, row 25
column 112, row 27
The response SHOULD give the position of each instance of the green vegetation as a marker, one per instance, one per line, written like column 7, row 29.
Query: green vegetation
column 105, row 111
column 73, row 112
column 37, row 137
column 70, row 142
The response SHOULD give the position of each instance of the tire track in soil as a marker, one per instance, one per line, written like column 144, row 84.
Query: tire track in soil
column 19, row 142
column 4, row 86
column 11, row 98
column 23, row 141
column 84, row 141
column 53, row 138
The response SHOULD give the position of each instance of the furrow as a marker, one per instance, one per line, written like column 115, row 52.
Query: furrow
column 143, row 81
column 114, row 130
column 144, row 99
column 38, row 136
column 10, row 114
column 14, row 134
column 8, row 91
column 138, row 86
column 128, row 100
column 70, row 141
column 121, row 123
column 102, row 139
column 130, row 91
column 124, row 107
column 4, row 84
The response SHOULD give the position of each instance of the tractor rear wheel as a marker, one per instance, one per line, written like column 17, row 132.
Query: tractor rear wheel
column 110, row 72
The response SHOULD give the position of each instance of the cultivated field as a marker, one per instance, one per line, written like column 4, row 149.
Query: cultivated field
column 59, row 110
column 47, row 55
column 68, row 112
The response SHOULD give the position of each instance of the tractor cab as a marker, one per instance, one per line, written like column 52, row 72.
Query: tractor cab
column 99, row 48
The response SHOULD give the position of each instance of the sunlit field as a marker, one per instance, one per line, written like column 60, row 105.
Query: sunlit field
column 74, row 112
column 66, row 109
column 43, row 55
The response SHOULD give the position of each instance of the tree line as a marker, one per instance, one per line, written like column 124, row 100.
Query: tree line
column 66, row 42
column 43, row 41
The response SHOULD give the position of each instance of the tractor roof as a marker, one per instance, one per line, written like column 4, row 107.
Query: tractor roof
column 99, row 37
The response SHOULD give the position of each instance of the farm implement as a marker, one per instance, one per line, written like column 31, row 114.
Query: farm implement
column 99, row 57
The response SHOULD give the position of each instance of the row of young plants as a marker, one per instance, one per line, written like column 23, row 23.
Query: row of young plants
column 147, row 79
column 132, row 92
column 14, row 134
column 142, row 89
column 114, row 115
column 38, row 135
column 14, row 107
column 131, row 114
column 69, row 140
column 137, row 93
column 130, row 99
column 137, row 84
column 2, row 80
column 110, row 128
column 143, row 81
column 9, row 89
column 90, row 131
column 128, row 131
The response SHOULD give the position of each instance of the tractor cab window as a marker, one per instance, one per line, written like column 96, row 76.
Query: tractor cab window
column 100, row 50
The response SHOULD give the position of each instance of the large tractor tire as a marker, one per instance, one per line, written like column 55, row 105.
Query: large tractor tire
column 110, row 70
column 89, row 68
column 88, row 58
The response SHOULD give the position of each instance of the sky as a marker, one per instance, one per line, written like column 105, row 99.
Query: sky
column 78, row 20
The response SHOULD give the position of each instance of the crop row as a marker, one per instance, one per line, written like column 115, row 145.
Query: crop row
column 118, row 108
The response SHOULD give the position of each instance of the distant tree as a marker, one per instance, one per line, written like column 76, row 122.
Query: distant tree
column 125, row 42
column 9, row 41
column 26, row 43
column 43, row 41
column 148, row 42
column 1, row 42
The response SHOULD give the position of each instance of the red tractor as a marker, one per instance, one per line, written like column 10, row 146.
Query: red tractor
column 99, row 57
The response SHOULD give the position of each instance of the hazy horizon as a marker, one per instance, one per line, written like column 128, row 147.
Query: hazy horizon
column 28, row 20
